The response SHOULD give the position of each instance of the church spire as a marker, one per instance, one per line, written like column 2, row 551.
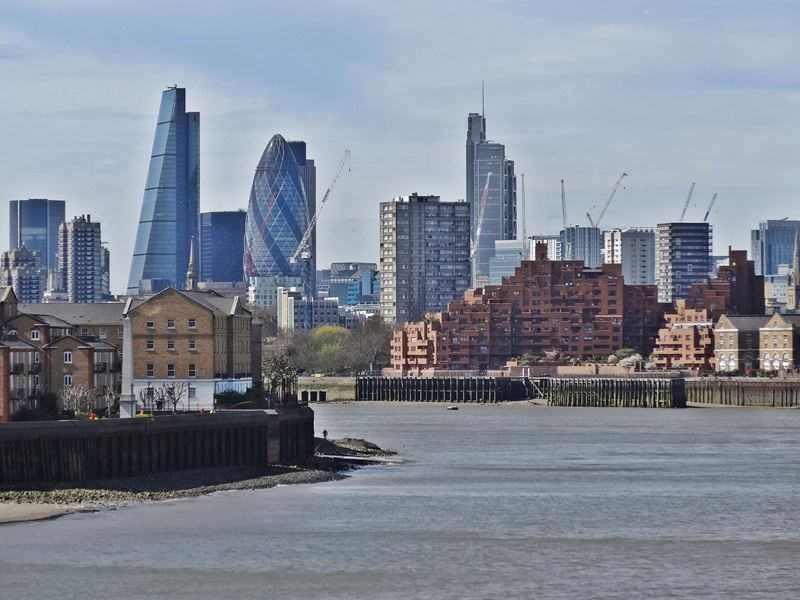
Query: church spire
column 191, row 274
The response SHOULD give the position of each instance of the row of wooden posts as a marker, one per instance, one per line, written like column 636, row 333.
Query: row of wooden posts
column 616, row 392
column 773, row 393
column 440, row 389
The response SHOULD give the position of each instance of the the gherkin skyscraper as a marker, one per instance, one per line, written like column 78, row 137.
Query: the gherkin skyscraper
column 171, row 203
column 277, row 217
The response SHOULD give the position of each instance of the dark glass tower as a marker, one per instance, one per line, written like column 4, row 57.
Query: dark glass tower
column 171, row 203
column 34, row 224
column 308, row 173
column 222, row 245
column 277, row 215
column 485, row 157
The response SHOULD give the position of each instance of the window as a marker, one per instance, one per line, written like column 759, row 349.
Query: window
column 67, row 380
column 103, row 333
column 34, row 334
column 192, row 392
column 119, row 333
column 170, row 370
column 170, row 344
column 192, row 323
column 151, row 345
column 192, row 370
column 150, row 370
column 67, row 357
column 36, row 358
column 84, row 331
column 170, row 323
column 192, row 345
column 150, row 324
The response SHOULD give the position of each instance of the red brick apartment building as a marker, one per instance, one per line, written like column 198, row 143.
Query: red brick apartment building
column 687, row 340
column 545, row 306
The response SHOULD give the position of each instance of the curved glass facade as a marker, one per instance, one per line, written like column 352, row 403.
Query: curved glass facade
column 277, row 215
column 170, row 207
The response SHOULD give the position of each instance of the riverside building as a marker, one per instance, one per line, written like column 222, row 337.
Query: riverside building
column 635, row 249
column 560, row 307
column 424, row 256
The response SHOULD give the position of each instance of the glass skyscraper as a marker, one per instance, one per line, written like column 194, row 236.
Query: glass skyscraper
column 171, row 203
column 277, row 217
column 499, row 220
column 222, row 245
column 33, row 223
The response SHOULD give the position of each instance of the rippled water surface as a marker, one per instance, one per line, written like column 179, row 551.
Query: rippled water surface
column 491, row 502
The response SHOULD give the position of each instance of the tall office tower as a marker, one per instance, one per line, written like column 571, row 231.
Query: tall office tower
column 33, row 223
column 582, row 243
column 683, row 256
column 171, row 203
column 635, row 249
column 22, row 270
column 222, row 245
column 508, row 255
column 424, row 256
column 308, row 174
column 277, row 217
column 82, row 264
column 772, row 245
column 486, row 161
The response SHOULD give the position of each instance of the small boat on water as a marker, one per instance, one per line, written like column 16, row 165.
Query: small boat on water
column 452, row 407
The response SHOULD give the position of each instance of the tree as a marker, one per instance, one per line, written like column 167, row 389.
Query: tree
column 174, row 392
column 623, row 353
column 279, row 370
column 78, row 399
column 368, row 346
column 631, row 361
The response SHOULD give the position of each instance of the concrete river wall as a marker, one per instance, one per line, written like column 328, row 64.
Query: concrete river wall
column 772, row 393
column 78, row 451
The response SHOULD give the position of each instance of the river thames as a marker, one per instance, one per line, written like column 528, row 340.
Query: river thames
column 490, row 502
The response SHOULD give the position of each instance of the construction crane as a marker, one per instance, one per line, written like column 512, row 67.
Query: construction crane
column 685, row 206
column 304, row 253
column 710, row 206
column 479, row 226
column 606, row 205
column 521, row 216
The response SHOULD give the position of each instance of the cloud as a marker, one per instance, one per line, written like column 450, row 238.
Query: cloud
column 669, row 92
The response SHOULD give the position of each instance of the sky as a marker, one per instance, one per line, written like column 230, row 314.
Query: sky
column 704, row 91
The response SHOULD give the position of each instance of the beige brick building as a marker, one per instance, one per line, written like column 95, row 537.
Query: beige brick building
column 202, row 341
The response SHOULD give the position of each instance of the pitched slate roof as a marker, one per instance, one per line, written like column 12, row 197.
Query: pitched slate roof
column 99, row 313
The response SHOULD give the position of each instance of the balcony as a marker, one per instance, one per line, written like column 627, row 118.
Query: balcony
column 101, row 367
column 17, row 369
column 35, row 368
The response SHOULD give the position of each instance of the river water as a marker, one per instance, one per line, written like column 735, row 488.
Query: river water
column 491, row 502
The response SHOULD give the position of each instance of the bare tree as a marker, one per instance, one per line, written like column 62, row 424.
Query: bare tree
column 78, row 399
column 174, row 392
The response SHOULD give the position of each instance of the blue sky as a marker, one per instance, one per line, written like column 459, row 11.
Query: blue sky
column 670, row 92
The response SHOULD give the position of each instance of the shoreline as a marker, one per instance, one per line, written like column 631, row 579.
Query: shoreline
column 42, row 502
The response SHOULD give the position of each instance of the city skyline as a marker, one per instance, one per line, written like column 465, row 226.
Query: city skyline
column 580, row 92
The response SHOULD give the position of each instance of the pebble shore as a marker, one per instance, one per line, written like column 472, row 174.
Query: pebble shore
column 116, row 493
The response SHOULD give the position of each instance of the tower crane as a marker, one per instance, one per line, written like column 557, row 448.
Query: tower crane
column 606, row 205
column 478, row 227
column 304, row 252
column 521, row 216
column 710, row 206
column 685, row 206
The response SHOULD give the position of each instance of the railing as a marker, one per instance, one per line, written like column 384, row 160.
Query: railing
column 35, row 368
column 17, row 369
column 101, row 367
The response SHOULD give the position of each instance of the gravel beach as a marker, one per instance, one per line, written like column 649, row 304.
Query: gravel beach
column 49, row 501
